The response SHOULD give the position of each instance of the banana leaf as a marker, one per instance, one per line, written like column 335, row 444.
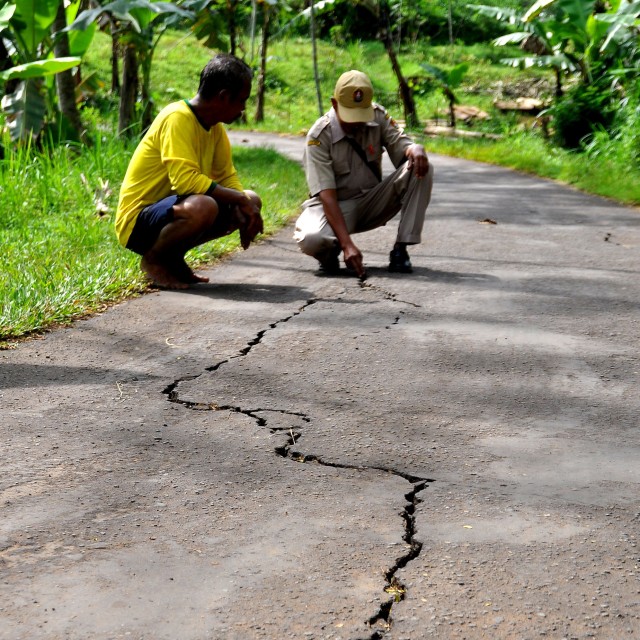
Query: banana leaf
column 25, row 110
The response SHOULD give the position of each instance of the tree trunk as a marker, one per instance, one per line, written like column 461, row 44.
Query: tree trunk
column 252, row 28
column 558, row 74
column 263, row 64
column 231, row 25
column 314, row 50
column 145, row 93
column 65, row 82
column 128, row 92
column 410, row 112
column 115, row 57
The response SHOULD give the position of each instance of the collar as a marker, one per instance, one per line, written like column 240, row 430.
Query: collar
column 197, row 117
column 337, row 132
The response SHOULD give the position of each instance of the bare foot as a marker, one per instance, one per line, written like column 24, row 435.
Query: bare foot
column 196, row 278
column 161, row 275
column 185, row 274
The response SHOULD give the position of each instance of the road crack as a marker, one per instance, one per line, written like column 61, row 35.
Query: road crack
column 382, row 620
column 388, row 295
column 170, row 390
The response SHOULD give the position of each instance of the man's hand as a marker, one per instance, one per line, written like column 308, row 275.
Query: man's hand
column 249, row 221
column 353, row 259
column 352, row 255
column 417, row 160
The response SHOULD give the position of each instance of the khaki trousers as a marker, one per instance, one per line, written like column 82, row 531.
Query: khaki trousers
column 400, row 191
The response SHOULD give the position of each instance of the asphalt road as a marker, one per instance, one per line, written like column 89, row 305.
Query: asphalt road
column 450, row 454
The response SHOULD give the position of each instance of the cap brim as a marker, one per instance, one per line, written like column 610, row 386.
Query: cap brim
column 364, row 114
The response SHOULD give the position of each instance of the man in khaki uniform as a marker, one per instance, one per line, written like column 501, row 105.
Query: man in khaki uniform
column 343, row 169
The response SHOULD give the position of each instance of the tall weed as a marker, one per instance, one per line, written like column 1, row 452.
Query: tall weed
column 620, row 145
column 60, row 256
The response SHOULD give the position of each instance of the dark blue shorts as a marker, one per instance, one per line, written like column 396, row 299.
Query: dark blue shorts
column 155, row 217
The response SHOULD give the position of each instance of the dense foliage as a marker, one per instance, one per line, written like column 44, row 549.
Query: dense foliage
column 591, row 46
column 436, row 22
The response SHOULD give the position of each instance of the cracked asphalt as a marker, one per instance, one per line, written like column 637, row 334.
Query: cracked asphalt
column 276, row 454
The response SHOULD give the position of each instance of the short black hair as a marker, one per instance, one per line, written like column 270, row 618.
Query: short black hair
column 224, row 71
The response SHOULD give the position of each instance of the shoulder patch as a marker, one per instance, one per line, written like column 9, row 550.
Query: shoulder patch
column 383, row 115
column 312, row 142
column 318, row 127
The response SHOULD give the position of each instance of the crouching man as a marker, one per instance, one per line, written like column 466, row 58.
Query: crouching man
column 348, row 194
column 181, row 188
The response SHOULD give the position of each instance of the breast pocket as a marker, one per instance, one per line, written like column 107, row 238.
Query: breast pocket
column 341, row 167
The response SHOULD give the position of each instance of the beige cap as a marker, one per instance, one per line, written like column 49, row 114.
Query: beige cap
column 354, row 94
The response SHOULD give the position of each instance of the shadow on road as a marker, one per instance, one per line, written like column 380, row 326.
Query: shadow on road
column 249, row 292
column 433, row 275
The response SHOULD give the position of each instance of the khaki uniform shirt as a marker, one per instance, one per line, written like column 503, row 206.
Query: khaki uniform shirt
column 331, row 163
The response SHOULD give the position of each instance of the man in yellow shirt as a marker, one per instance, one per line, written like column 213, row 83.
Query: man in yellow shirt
column 181, row 188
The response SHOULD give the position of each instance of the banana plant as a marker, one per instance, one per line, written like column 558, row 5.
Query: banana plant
column 623, row 20
column 216, row 22
column 29, row 100
column 569, row 36
column 69, row 84
column 448, row 81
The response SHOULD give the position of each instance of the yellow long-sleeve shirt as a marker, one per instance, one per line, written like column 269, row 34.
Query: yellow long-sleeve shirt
column 177, row 156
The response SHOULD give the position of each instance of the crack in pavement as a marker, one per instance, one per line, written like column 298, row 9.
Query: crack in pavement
column 381, row 621
column 388, row 295
column 382, row 618
column 170, row 390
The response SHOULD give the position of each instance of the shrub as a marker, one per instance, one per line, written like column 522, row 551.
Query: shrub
column 622, row 142
column 583, row 110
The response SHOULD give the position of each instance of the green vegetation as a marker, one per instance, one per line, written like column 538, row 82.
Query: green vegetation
column 291, row 104
column 61, row 258
column 608, row 166
column 68, row 130
column 611, row 178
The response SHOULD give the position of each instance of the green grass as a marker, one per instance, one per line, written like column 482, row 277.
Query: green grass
column 616, row 180
column 291, row 102
column 61, row 259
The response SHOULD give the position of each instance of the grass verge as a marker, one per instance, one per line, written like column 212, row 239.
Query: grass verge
column 61, row 260
column 531, row 154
